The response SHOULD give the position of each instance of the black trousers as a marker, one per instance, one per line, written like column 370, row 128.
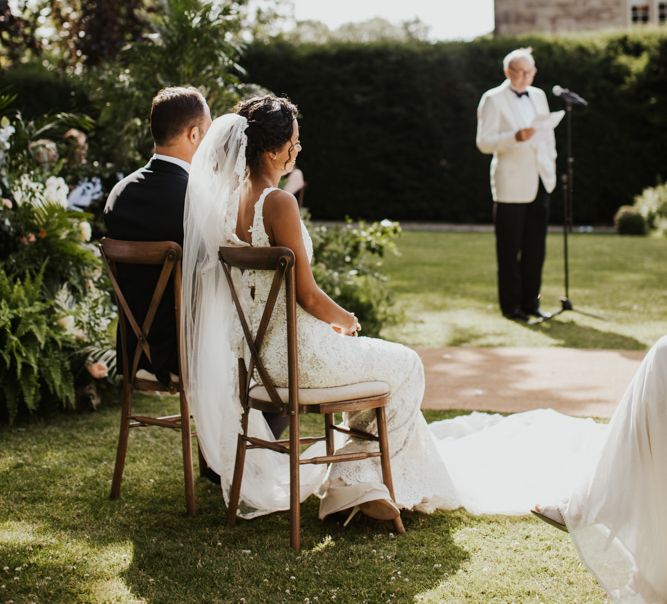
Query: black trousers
column 521, row 230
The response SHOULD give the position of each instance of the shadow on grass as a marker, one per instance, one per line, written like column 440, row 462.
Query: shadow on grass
column 562, row 331
column 565, row 332
column 71, row 543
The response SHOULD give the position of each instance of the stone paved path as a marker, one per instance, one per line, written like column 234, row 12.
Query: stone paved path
column 573, row 381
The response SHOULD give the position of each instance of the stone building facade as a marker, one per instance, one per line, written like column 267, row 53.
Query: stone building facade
column 558, row 16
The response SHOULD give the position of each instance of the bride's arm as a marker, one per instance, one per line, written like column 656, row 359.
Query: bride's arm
column 282, row 223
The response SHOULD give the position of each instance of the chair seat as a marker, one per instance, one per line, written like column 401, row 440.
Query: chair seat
column 143, row 374
column 319, row 396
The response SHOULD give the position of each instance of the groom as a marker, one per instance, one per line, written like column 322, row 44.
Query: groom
column 148, row 205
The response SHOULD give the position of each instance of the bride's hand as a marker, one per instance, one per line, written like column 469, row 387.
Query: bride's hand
column 351, row 326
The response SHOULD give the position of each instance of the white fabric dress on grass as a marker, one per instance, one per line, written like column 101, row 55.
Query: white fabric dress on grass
column 611, row 478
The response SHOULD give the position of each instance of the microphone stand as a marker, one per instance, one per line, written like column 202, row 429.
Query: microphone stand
column 567, row 182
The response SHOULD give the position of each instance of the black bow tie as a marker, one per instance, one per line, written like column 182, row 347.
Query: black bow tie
column 520, row 94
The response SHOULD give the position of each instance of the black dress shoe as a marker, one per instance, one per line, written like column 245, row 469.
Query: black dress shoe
column 539, row 313
column 516, row 315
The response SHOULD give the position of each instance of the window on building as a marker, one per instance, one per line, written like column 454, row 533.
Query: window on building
column 662, row 12
column 640, row 13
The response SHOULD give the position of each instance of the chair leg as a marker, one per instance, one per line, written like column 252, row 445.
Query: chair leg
column 235, row 491
column 328, row 432
column 121, row 451
column 385, row 461
column 186, row 440
column 295, row 490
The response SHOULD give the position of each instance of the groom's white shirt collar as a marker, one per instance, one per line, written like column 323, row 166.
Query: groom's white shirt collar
column 174, row 160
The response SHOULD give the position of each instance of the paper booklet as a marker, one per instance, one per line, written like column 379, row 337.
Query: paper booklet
column 544, row 124
column 548, row 121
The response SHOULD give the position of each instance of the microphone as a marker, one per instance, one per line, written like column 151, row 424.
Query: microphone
column 569, row 97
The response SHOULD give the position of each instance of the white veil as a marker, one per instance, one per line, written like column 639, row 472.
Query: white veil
column 211, row 334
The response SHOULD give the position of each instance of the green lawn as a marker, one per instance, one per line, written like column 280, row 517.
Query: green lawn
column 446, row 286
column 63, row 541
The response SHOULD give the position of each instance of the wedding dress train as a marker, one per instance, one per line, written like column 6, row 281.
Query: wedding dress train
column 611, row 478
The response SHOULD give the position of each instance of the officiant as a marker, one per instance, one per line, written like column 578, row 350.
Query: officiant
column 523, row 174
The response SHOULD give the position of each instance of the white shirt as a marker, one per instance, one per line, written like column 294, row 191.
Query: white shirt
column 174, row 160
column 526, row 109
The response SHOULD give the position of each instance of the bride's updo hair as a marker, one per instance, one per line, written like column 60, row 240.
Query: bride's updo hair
column 270, row 125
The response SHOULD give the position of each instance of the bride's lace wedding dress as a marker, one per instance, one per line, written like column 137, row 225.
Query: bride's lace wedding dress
column 327, row 358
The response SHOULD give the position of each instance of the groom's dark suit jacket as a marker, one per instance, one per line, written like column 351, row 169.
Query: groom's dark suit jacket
column 148, row 205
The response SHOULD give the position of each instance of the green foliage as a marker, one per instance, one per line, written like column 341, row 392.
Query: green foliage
column 188, row 42
column 652, row 205
column 34, row 351
column 628, row 220
column 398, row 121
column 347, row 262
column 42, row 89
column 56, row 312
column 56, row 236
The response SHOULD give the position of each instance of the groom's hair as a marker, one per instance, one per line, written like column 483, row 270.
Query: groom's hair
column 174, row 109
column 270, row 125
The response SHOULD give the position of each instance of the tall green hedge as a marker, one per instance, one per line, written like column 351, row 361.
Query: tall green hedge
column 388, row 130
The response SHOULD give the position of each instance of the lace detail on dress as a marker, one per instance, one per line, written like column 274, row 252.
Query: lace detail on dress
column 330, row 359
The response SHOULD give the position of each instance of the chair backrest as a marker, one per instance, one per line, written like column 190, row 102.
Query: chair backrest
column 166, row 254
column 280, row 261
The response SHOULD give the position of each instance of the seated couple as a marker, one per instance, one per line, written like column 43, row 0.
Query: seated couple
column 608, row 480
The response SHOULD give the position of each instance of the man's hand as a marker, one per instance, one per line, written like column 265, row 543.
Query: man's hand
column 524, row 134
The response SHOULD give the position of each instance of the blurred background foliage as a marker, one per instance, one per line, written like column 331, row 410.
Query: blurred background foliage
column 388, row 118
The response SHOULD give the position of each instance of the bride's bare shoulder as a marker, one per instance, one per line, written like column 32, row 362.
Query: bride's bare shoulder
column 280, row 205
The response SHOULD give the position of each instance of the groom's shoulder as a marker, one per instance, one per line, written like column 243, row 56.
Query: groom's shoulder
column 136, row 178
column 149, row 183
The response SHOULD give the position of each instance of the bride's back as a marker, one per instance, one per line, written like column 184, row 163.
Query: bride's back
column 246, row 214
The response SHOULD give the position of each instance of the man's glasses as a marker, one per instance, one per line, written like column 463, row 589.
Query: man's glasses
column 524, row 72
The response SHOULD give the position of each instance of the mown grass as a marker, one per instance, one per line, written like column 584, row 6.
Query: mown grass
column 446, row 290
column 63, row 540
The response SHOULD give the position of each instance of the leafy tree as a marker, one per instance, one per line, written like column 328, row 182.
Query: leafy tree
column 92, row 31
column 18, row 36
column 189, row 42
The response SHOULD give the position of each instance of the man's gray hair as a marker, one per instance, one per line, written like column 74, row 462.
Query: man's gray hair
column 519, row 53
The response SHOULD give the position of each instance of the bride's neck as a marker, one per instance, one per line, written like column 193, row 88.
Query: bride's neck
column 264, row 179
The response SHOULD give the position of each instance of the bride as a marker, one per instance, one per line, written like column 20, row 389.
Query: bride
column 233, row 199
column 612, row 475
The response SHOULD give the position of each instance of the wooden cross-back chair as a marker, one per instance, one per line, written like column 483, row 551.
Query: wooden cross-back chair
column 294, row 401
column 166, row 254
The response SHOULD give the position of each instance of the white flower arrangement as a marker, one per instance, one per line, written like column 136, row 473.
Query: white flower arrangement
column 85, row 230
column 6, row 131
column 56, row 191
column 29, row 190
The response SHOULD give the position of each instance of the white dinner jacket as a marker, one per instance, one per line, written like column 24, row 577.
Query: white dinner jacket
column 516, row 167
